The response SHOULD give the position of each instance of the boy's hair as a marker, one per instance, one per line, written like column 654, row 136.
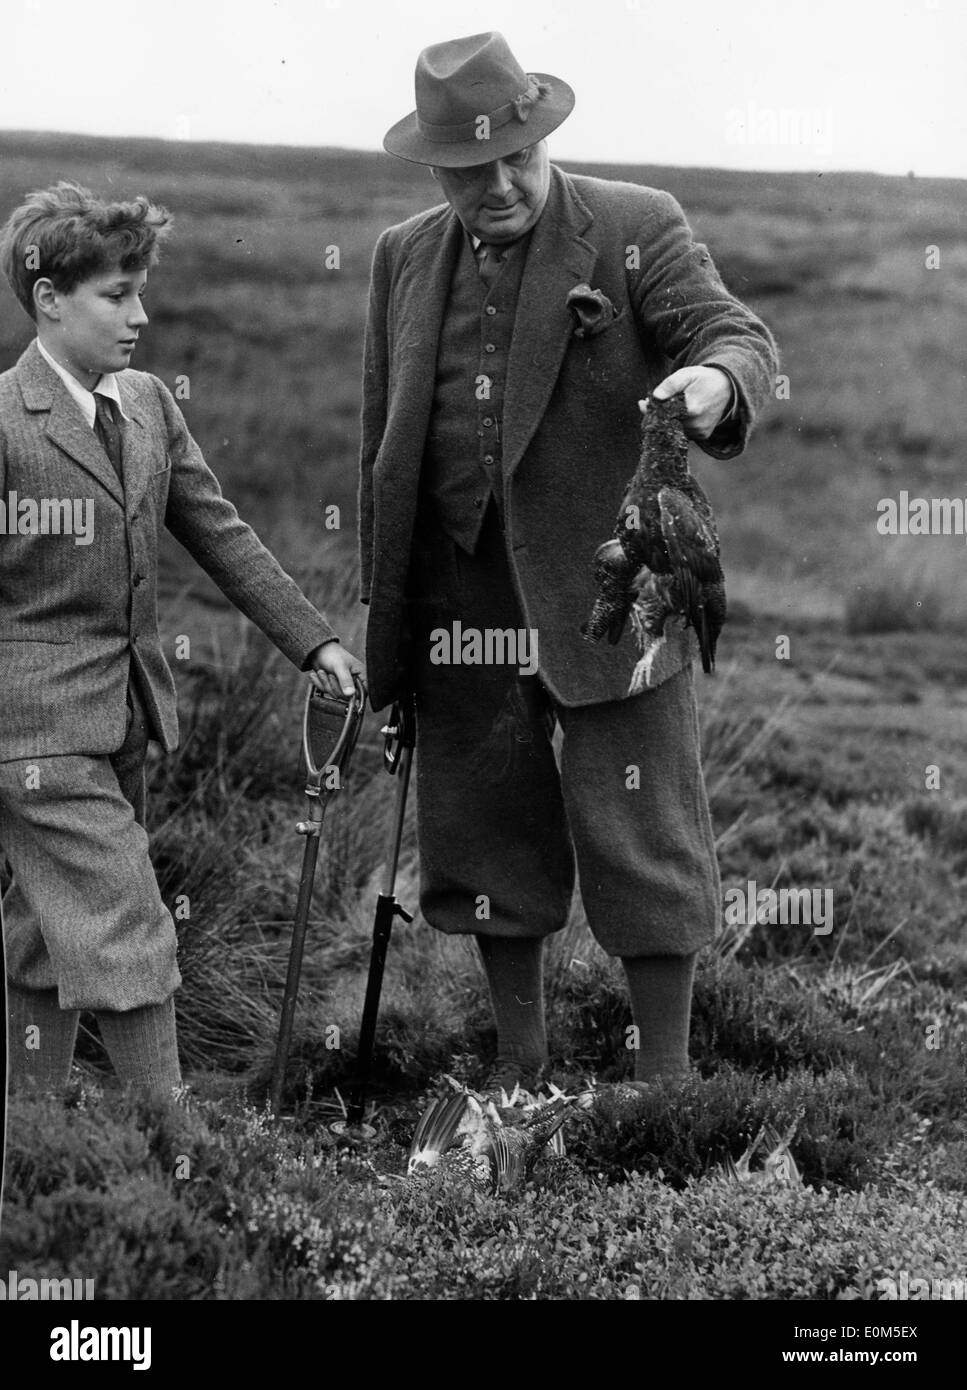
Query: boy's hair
column 66, row 234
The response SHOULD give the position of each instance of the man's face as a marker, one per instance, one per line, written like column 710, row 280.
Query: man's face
column 95, row 326
column 502, row 200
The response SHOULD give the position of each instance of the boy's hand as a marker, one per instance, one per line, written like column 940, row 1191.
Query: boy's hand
column 333, row 669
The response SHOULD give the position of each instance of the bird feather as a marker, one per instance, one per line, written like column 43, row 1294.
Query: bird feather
column 436, row 1131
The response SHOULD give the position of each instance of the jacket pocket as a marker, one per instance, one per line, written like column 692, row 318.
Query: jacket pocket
column 600, row 328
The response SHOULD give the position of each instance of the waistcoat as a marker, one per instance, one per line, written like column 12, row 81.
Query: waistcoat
column 462, row 454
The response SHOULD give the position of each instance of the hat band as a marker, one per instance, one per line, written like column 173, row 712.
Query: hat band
column 520, row 108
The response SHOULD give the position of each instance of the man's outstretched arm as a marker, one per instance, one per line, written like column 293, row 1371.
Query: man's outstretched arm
column 724, row 356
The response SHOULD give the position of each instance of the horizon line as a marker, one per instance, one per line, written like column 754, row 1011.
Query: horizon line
column 223, row 143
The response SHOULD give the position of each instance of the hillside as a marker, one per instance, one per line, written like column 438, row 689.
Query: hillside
column 271, row 339
column 816, row 763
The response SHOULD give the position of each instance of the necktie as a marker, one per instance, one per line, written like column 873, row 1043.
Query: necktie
column 108, row 431
column 490, row 262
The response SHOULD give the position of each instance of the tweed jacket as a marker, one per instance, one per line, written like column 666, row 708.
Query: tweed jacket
column 76, row 618
column 571, row 425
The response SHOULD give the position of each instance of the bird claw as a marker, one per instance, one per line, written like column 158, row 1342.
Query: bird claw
column 641, row 676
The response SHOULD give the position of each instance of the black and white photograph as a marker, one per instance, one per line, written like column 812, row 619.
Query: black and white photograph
column 483, row 678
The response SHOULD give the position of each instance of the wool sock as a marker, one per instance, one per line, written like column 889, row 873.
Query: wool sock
column 44, row 1058
column 143, row 1046
column 661, row 1006
column 515, row 974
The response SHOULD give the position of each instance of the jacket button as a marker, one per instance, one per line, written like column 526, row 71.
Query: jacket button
column 488, row 458
column 489, row 347
column 478, row 502
column 491, row 310
column 488, row 419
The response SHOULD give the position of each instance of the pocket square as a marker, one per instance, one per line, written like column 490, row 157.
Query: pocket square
column 592, row 310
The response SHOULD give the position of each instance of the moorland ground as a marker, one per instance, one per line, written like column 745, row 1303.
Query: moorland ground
column 818, row 766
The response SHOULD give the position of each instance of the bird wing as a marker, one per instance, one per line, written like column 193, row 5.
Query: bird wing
column 543, row 1126
column 436, row 1131
column 770, row 1138
column 638, row 528
column 779, row 1162
column 781, row 1167
column 689, row 539
column 556, row 1144
column 508, row 1161
column 742, row 1169
column 730, row 1170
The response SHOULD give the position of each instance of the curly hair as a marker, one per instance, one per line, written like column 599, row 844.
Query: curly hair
column 67, row 234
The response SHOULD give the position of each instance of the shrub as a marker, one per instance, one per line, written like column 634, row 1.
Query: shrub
column 894, row 606
column 686, row 1132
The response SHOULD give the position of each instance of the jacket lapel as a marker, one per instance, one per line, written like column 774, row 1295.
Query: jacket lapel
column 138, row 460
column 419, row 302
column 43, row 390
column 558, row 259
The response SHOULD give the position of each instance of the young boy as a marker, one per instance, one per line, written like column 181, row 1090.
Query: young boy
column 94, row 459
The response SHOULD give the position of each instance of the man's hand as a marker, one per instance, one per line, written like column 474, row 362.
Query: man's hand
column 333, row 669
column 708, row 395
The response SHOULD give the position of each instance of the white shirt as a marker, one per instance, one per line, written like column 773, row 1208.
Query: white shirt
column 107, row 385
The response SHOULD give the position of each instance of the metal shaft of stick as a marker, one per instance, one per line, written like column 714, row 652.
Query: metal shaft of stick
column 295, row 968
column 317, row 723
column 386, row 909
column 395, row 838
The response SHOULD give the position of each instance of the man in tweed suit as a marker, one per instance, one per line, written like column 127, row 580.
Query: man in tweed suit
column 94, row 460
column 500, row 427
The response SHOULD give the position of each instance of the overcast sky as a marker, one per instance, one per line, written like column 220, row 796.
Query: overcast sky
column 818, row 84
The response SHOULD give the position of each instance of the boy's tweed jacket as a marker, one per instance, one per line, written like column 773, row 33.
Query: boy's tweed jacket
column 75, row 618
column 571, row 424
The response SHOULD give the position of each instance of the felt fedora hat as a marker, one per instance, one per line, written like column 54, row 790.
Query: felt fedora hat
column 475, row 103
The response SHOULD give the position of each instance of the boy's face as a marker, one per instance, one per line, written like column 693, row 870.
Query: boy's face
column 94, row 329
